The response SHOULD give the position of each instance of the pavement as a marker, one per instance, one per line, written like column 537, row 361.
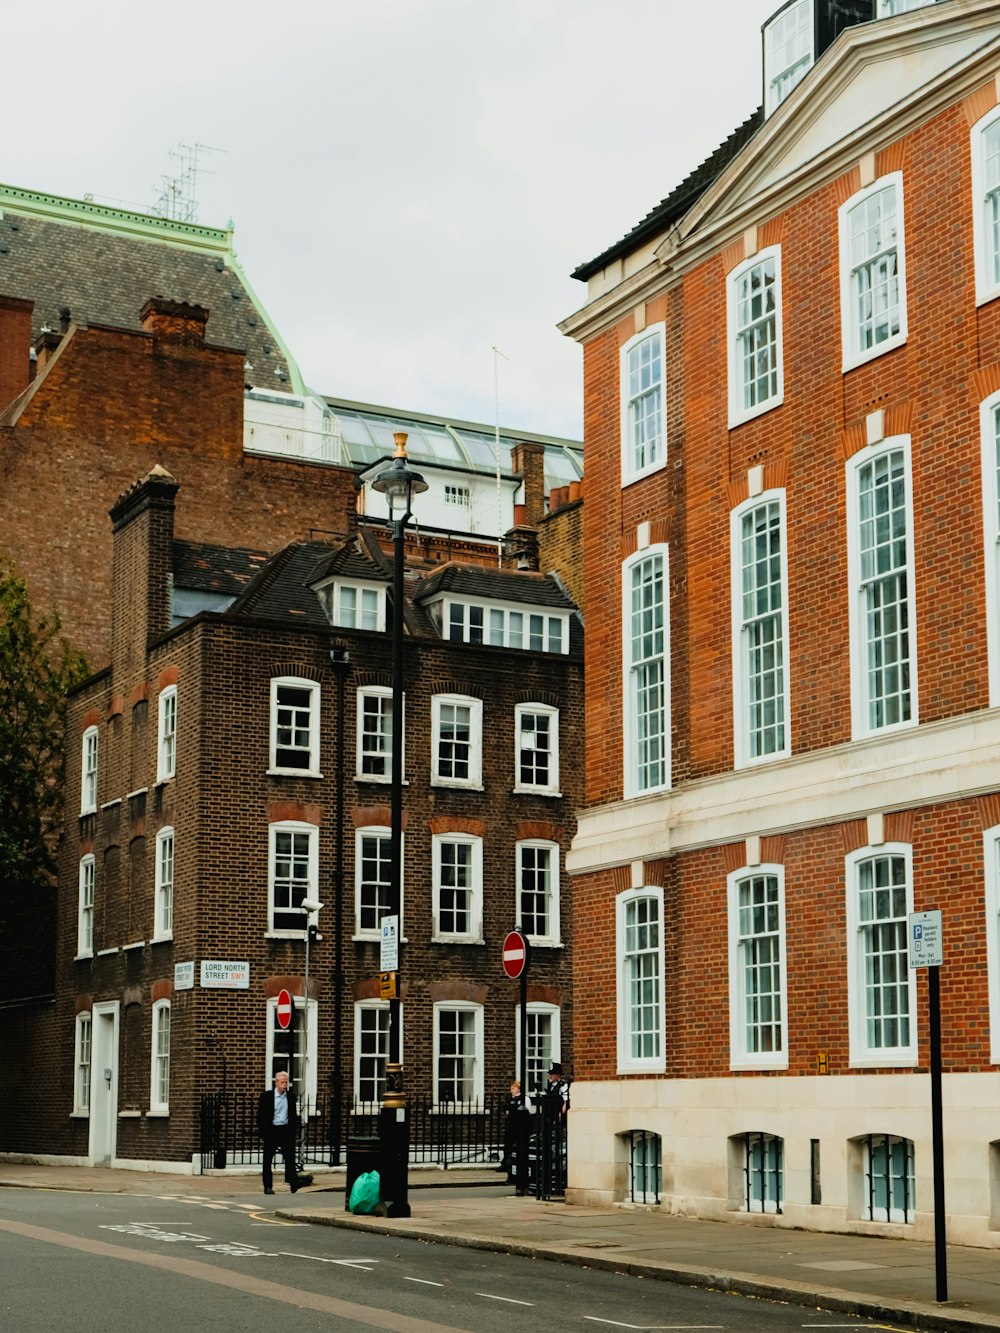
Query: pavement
column 892, row 1281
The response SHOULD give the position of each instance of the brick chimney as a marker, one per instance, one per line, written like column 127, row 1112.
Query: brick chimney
column 142, row 557
column 15, row 347
column 174, row 321
column 528, row 461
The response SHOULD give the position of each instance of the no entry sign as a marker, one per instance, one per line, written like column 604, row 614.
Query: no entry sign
column 515, row 954
column 284, row 1009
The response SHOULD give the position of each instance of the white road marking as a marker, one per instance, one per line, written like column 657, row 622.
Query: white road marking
column 508, row 1300
column 364, row 1264
column 615, row 1323
column 424, row 1282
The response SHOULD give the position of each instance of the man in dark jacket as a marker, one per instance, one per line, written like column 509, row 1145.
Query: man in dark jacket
column 278, row 1126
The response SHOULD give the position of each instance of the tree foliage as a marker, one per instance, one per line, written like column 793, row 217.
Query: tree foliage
column 37, row 667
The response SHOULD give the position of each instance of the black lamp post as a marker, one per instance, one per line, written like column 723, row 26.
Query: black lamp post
column 399, row 483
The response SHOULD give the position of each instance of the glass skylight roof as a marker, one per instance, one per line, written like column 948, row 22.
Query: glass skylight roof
column 367, row 435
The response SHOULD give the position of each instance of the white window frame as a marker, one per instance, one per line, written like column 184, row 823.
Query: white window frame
column 166, row 848
column 475, row 757
column 853, row 353
column 631, row 670
column 311, row 832
column 85, row 906
column 863, row 1056
column 384, row 834
column 775, row 91
column 739, row 411
column 521, row 711
column 985, row 195
column 631, row 470
column 538, row 1009
column 475, row 888
column 460, row 1006
column 166, row 735
column 312, row 1049
column 991, row 896
column 743, row 627
column 159, row 1073
column 889, row 8
column 861, row 697
column 332, row 597
column 552, row 937
column 312, row 688
column 521, row 626
column 90, row 758
column 380, row 1007
column 628, row 1063
column 740, row 1054
column 83, row 1055
column 383, row 693
column 989, row 418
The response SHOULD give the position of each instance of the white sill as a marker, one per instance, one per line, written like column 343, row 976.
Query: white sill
column 373, row 777
column 129, row 1115
column 371, row 938
column 139, row 791
column 162, row 939
column 457, row 783
column 888, row 1059
column 737, row 419
column 749, row 1064
column 649, row 471
column 457, row 939
column 293, row 773
column 158, row 1115
column 90, row 810
column 139, row 944
column 105, row 953
column 79, row 1115
column 108, row 805
column 83, row 957
column 535, row 791
column 299, row 935
column 161, row 780
column 873, row 353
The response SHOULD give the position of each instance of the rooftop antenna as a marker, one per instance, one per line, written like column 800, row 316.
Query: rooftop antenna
column 179, row 196
column 496, row 446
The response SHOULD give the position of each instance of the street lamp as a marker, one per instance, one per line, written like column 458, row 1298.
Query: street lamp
column 399, row 483
column 310, row 905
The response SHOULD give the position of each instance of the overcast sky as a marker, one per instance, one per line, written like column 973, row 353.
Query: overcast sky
column 411, row 181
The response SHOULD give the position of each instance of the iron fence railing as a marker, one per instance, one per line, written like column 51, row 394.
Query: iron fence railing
column 441, row 1133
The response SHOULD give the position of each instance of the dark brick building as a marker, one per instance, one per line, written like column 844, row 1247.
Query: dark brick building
column 223, row 768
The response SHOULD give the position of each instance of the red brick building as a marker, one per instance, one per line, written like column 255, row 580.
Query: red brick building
column 229, row 767
column 792, row 416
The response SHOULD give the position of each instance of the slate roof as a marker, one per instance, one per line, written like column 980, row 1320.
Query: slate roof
column 501, row 585
column 350, row 563
column 103, row 266
column 677, row 203
column 221, row 569
column 281, row 591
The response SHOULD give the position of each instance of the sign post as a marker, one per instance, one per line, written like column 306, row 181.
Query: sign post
column 926, row 949
column 514, row 957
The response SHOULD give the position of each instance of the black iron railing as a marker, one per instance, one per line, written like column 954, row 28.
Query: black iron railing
column 441, row 1133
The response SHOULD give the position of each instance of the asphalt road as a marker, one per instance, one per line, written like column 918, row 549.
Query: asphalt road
column 109, row 1263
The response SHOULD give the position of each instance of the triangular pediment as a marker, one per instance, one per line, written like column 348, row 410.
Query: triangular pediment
column 862, row 93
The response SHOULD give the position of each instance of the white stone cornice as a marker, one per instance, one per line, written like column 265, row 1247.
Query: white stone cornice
column 903, row 770
column 846, row 106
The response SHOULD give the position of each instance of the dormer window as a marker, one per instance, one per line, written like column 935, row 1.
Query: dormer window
column 353, row 605
column 788, row 51
column 528, row 628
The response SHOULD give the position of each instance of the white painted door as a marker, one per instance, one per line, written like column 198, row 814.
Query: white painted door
column 104, row 1084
